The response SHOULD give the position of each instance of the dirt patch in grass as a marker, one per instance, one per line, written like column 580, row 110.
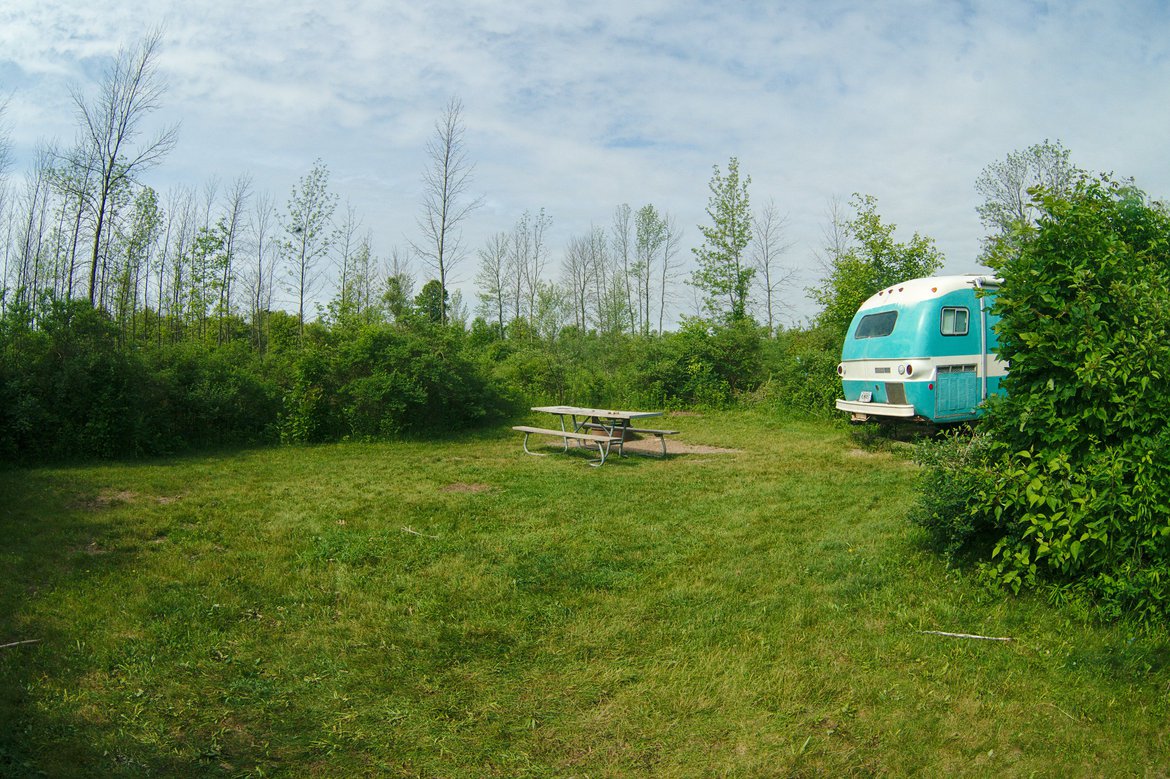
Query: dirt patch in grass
column 652, row 446
column 105, row 499
column 463, row 487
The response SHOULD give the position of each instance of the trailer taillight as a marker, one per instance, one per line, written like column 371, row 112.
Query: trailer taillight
column 841, row 369
column 909, row 370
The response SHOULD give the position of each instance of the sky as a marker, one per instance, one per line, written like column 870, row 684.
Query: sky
column 576, row 108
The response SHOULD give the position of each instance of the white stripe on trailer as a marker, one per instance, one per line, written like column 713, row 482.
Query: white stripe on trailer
column 887, row 370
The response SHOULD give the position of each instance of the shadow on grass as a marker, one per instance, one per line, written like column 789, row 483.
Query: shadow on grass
column 58, row 535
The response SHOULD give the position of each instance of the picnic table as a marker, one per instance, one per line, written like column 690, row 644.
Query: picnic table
column 595, row 427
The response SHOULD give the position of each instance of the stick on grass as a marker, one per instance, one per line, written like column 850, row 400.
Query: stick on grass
column 19, row 643
column 414, row 532
column 964, row 635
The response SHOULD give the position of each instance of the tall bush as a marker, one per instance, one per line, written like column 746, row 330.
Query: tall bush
column 1077, row 480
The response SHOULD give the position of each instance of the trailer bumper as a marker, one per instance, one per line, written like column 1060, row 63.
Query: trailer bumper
column 862, row 411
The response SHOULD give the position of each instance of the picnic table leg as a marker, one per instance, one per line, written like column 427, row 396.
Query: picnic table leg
column 623, row 424
column 529, row 451
column 603, row 450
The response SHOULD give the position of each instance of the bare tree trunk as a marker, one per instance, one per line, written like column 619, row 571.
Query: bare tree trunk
column 446, row 202
column 130, row 91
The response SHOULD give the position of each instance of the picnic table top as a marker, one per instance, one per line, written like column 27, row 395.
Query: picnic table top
column 596, row 412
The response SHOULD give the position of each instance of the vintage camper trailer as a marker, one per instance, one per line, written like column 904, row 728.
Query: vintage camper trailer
column 922, row 350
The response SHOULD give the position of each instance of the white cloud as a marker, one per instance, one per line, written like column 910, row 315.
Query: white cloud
column 577, row 108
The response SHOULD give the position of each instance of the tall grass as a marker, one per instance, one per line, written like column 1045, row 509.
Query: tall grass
column 457, row 608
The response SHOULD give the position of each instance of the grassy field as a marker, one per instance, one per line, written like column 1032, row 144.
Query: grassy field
column 458, row 608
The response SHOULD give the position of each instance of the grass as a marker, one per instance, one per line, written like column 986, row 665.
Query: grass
column 457, row 608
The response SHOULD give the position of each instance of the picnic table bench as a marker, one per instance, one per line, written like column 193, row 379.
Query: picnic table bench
column 603, row 442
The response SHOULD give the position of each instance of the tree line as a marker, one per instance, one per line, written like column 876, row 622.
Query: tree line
column 200, row 261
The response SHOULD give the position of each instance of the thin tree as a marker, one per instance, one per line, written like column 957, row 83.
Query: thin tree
column 264, row 251
column 131, row 90
column 347, row 247
column 446, row 199
column 768, row 247
column 620, row 231
column 308, row 234
column 577, row 272
column 491, row 280
column 231, row 225
column 724, row 273
column 398, row 290
column 649, row 235
column 670, row 245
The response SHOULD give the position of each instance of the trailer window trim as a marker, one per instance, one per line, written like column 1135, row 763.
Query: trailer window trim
column 954, row 328
column 877, row 325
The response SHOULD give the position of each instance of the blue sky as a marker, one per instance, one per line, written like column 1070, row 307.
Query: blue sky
column 576, row 108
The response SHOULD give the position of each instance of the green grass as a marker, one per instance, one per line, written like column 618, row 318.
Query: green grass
column 458, row 608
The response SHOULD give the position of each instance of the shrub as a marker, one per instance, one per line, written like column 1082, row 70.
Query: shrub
column 1078, row 483
column 703, row 364
column 954, row 468
column 802, row 373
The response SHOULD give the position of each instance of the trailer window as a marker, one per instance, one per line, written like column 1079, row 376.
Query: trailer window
column 876, row 325
column 955, row 321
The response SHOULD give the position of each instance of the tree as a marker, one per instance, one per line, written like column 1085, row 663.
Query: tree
column 347, row 246
column 577, row 272
column 649, row 236
column 432, row 302
column 308, row 234
column 724, row 275
column 446, row 201
column 137, row 249
column 130, row 91
column 672, row 239
column 5, row 166
column 399, row 286
column 620, row 252
column 868, row 261
column 492, row 279
column 1005, row 186
column 30, row 232
column 526, row 260
column 767, row 248
column 259, row 279
column 231, row 225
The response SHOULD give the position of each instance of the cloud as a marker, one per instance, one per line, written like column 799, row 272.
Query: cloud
column 579, row 107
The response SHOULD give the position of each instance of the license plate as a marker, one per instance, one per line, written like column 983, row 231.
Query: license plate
column 866, row 396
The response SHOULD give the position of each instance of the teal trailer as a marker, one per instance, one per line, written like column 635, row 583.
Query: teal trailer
column 922, row 350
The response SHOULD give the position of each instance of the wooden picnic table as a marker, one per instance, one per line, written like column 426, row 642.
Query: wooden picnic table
column 596, row 427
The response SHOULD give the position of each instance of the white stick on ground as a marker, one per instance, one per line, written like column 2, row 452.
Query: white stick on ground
column 18, row 643
column 416, row 533
column 964, row 635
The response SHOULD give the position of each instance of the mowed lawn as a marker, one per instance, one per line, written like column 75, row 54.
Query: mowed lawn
column 457, row 608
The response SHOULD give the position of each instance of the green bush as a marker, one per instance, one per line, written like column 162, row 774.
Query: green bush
column 1077, row 483
column 954, row 468
column 703, row 364
column 802, row 373
column 69, row 390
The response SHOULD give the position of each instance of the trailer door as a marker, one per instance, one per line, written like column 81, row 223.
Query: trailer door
column 957, row 393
